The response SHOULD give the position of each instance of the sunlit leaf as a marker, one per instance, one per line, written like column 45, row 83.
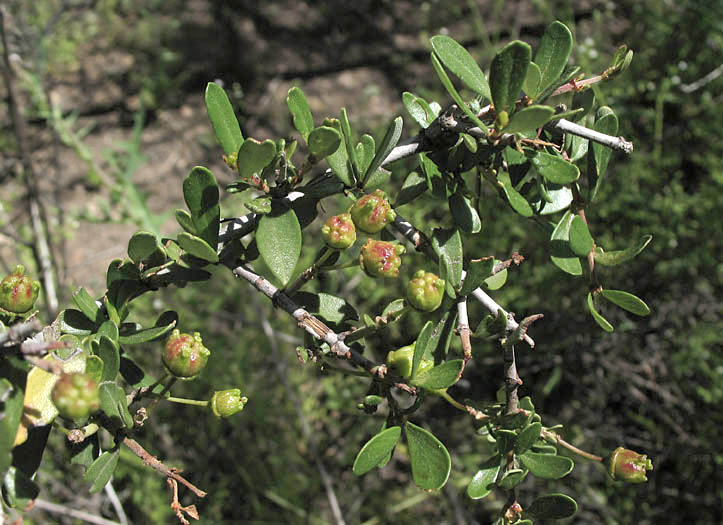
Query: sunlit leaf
column 278, row 237
column 224, row 122
column 376, row 449
column 547, row 466
column 300, row 112
column 101, row 470
column 626, row 301
column 507, row 74
column 431, row 463
column 599, row 319
column 553, row 53
column 483, row 481
column 458, row 60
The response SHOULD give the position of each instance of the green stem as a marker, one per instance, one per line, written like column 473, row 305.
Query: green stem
column 184, row 401
column 554, row 438
column 310, row 272
column 384, row 321
column 339, row 266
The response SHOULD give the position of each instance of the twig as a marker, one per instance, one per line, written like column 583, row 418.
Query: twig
column 21, row 331
column 56, row 508
column 464, row 331
column 178, row 509
column 616, row 143
column 155, row 464
column 115, row 502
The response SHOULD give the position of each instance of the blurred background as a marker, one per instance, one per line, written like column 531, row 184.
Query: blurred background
column 112, row 94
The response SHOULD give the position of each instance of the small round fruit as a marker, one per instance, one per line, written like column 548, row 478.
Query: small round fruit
column 381, row 258
column 399, row 362
column 18, row 292
column 75, row 396
column 425, row 291
column 339, row 232
column 372, row 212
column 184, row 354
column 226, row 403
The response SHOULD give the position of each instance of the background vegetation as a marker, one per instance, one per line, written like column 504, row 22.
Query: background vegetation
column 113, row 97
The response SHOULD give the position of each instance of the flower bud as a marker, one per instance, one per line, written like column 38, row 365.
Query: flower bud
column 75, row 396
column 626, row 465
column 425, row 291
column 184, row 354
column 225, row 403
column 339, row 232
column 372, row 212
column 18, row 292
column 399, row 361
column 381, row 258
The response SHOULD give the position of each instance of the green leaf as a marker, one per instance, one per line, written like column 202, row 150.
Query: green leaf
column 419, row 109
column 94, row 367
column 85, row 452
column 560, row 198
column 599, row 319
column 224, row 122
column 197, row 247
column 142, row 245
column 86, row 304
column 477, row 272
column 200, row 192
column 461, row 63
column 449, row 243
column 109, row 352
column 348, row 141
column 101, row 470
column 553, row 53
column 581, row 241
column 614, row 258
column 484, row 481
column 447, row 83
column 389, row 142
column 339, row 161
column 561, row 254
column 555, row 169
column 18, row 489
column 430, row 460
column 422, row 346
column 505, row 440
column 134, row 375
column 605, row 122
column 511, row 478
column 114, row 405
column 376, row 449
column 507, row 74
column 516, row 200
column 331, row 308
column 527, row 438
column 531, row 85
column 166, row 322
column 324, row 141
column 626, row 301
column 552, row 507
column 13, row 376
column 440, row 376
column 299, row 108
column 74, row 322
column 365, row 152
column 278, row 237
column 547, row 466
column 496, row 281
column 464, row 214
column 254, row 156
column 414, row 186
column 260, row 205
column 529, row 119
column 184, row 220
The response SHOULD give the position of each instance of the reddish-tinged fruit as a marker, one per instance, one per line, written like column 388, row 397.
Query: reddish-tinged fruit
column 18, row 292
column 399, row 362
column 184, row 354
column 627, row 465
column 381, row 258
column 339, row 232
column 372, row 212
column 75, row 396
column 425, row 291
column 225, row 403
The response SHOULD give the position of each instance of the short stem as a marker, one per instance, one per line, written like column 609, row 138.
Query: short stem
column 555, row 438
column 456, row 404
column 183, row 401
column 380, row 322
column 339, row 266
column 310, row 272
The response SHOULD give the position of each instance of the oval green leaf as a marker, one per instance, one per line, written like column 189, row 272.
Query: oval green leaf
column 324, row 141
column 552, row 506
column 109, row 353
column 418, row 109
column 555, row 169
column 376, row 450
column 461, row 63
column 349, row 144
column 441, row 376
column 146, row 335
column 561, row 253
column 254, row 156
column 516, row 200
column 449, row 243
column 616, row 257
column 414, row 186
column 581, row 241
column 529, row 119
column 339, row 161
column 477, row 272
column 527, row 438
column 197, row 247
column 142, row 245
column 184, row 220
column 447, row 83
column 553, row 53
column 531, row 85
column 464, row 214
column 200, row 192
column 300, row 112
column 223, row 120
column 431, row 463
column 422, row 346
column 278, row 237
column 512, row 478
column 86, row 304
column 546, row 466
column 507, row 74
column 329, row 307
column 101, row 470
column 599, row 319
column 626, row 301
column 484, row 481
column 496, row 281
column 113, row 403
column 389, row 142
